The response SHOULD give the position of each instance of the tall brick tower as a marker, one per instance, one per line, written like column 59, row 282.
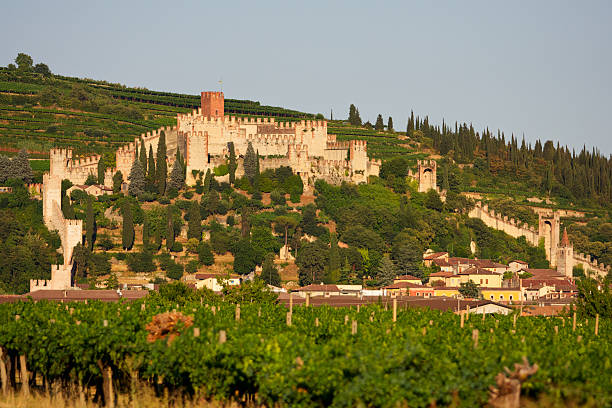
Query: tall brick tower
column 213, row 104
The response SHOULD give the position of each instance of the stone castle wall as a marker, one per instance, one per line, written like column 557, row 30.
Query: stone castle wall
column 548, row 230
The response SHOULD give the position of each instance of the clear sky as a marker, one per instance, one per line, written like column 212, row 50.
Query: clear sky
column 538, row 68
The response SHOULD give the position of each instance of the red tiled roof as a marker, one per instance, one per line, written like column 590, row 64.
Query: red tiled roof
column 544, row 273
column 80, row 295
column 477, row 271
column 402, row 285
column 441, row 262
column 520, row 262
column 407, row 277
column 441, row 274
column 319, row 288
column 434, row 255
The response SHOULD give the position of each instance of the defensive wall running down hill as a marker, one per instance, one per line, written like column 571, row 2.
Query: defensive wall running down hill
column 548, row 231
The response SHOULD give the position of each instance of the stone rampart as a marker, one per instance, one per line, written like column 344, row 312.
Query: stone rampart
column 510, row 226
column 591, row 265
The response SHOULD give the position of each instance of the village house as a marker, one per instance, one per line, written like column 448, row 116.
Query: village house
column 408, row 289
column 517, row 265
column 408, row 278
column 484, row 278
column 95, row 190
column 319, row 290
column 501, row 294
column 214, row 282
column 430, row 257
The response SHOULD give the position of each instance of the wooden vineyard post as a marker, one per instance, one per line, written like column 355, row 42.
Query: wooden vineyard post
column 467, row 312
column 345, row 319
column 475, row 337
column 574, row 323
column 354, row 327
column 196, row 332
column 213, row 310
column 307, row 299
column 514, row 321
column 556, row 330
column 483, row 316
column 222, row 337
column 289, row 318
column 394, row 310
column 107, row 385
column 462, row 319
column 291, row 303
column 3, row 376
column 238, row 312
column 25, row 380
column 316, row 322
column 357, row 308
column 596, row 324
column 259, row 312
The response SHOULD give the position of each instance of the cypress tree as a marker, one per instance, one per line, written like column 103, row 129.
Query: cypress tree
column 207, row 181
column 390, row 124
column 195, row 222
column 232, row 165
column 5, row 168
column 169, row 229
column 151, row 175
column 136, row 179
column 245, row 222
column 90, row 224
column 127, row 236
column 117, row 181
column 379, row 125
column 162, row 168
column 250, row 163
column 67, row 208
column 101, row 170
column 143, row 155
column 445, row 183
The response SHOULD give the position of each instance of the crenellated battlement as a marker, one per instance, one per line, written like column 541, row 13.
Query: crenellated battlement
column 337, row 145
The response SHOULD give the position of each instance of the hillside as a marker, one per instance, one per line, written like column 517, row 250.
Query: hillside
column 42, row 110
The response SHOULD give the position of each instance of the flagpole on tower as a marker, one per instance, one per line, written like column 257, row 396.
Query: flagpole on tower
column 220, row 84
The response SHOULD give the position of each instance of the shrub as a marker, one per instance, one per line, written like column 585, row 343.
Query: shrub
column 230, row 220
column 175, row 271
column 141, row 262
column 163, row 200
column 120, row 256
column 192, row 266
column 188, row 195
column 177, row 247
column 105, row 242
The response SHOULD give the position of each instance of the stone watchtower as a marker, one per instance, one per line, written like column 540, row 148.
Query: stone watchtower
column 549, row 228
column 213, row 104
column 427, row 173
column 565, row 256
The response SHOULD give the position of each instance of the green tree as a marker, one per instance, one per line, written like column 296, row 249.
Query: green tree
column 101, row 171
column 112, row 282
column 312, row 261
column 67, row 208
column 151, row 172
column 390, row 124
column 244, row 257
column 594, row 297
column 309, row 220
column 143, row 155
column 407, row 252
column 136, row 179
column 90, row 224
column 334, row 253
column 432, row 200
column 161, row 166
column 117, row 182
column 20, row 166
column 42, row 69
column 386, row 271
column 469, row 290
column 205, row 255
column 169, row 228
column 127, row 236
column 195, row 222
column 232, row 165
column 354, row 118
column 379, row 125
column 24, row 62
column 250, row 163
column 176, row 177
column 269, row 272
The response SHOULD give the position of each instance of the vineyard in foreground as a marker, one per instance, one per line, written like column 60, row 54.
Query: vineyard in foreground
column 325, row 357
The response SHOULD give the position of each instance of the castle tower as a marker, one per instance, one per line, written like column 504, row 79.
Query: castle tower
column 565, row 256
column 213, row 104
column 358, row 154
column 427, row 175
column 549, row 228
column 58, row 161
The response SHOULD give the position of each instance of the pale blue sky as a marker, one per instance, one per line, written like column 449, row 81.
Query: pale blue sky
column 539, row 68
